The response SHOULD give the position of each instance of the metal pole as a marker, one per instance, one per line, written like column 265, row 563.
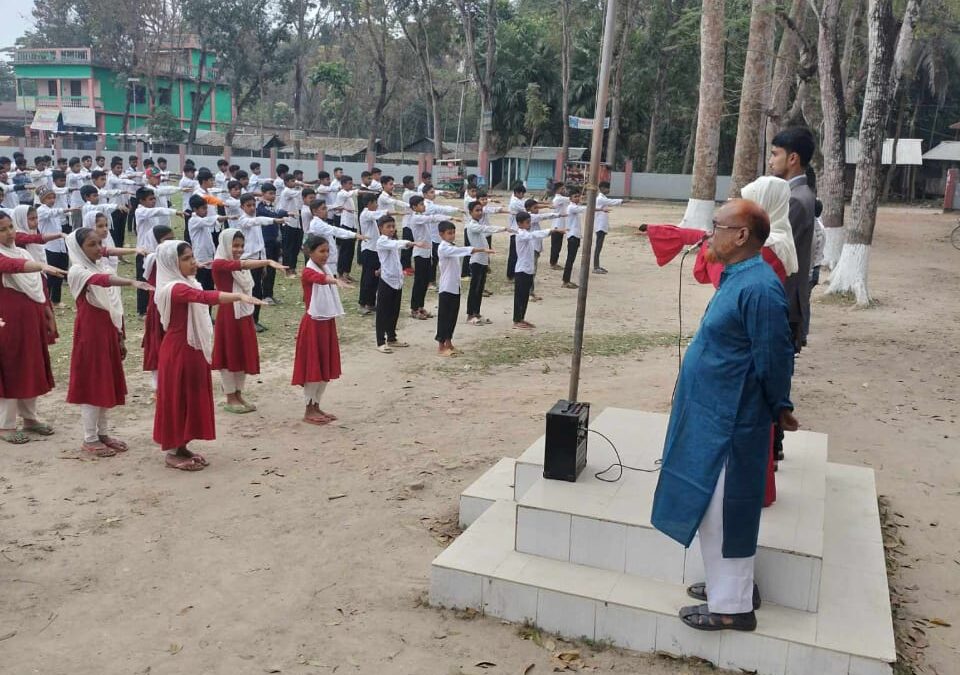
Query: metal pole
column 596, row 149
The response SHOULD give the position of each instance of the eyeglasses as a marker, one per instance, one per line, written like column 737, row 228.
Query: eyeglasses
column 718, row 226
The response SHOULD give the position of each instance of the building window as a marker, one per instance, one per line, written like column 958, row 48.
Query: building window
column 136, row 93
column 163, row 97
column 75, row 88
column 51, row 87
column 27, row 87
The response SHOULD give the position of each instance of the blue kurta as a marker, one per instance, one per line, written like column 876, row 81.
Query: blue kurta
column 734, row 381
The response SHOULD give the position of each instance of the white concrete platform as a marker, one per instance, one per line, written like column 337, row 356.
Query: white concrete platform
column 607, row 525
column 495, row 484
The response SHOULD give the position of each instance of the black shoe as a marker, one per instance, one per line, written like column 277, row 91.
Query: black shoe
column 698, row 592
column 259, row 327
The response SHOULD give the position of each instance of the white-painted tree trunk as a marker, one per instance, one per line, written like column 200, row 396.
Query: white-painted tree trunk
column 832, row 246
column 850, row 274
column 699, row 214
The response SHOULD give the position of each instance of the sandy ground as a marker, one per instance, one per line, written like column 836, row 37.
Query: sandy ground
column 306, row 550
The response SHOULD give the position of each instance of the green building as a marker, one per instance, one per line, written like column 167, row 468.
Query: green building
column 70, row 89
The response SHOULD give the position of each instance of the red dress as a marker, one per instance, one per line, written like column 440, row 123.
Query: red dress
column 152, row 329
column 22, row 240
column 318, row 350
column 24, row 360
column 96, row 366
column 235, row 345
column 184, row 410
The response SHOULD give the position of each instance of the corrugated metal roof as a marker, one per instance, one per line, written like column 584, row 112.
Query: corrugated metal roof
column 331, row 145
column 947, row 151
column 541, row 152
column 909, row 151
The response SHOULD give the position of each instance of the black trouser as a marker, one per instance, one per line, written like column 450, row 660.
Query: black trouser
column 118, row 228
column 272, row 247
column 205, row 277
column 143, row 297
column 434, row 261
column 447, row 316
column 130, row 216
column 573, row 245
column 556, row 243
column 536, row 264
column 388, row 311
column 465, row 266
column 512, row 258
column 62, row 261
column 478, row 279
column 345, row 250
column 292, row 243
column 257, row 275
column 522, row 285
column 601, row 235
column 421, row 279
column 186, row 225
column 406, row 255
column 369, row 264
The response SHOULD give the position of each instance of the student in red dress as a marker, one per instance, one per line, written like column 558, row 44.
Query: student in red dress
column 97, row 382
column 235, row 350
column 184, row 410
column 152, row 329
column 25, row 328
column 317, row 359
column 26, row 222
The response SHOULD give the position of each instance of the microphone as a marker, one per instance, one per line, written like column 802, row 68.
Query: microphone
column 693, row 247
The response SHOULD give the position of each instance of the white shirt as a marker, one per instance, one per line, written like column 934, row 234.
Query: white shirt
column 290, row 200
column 253, row 185
column 88, row 212
column 819, row 241
column 188, row 184
column 601, row 219
column 535, row 220
column 526, row 241
column 424, row 229
column 329, row 194
column 434, row 208
column 448, row 280
column 515, row 207
column 370, row 229
column 375, row 186
column 119, row 189
column 335, row 184
column 201, row 234
column 231, row 206
column 346, row 208
column 147, row 219
column 220, row 181
column 388, row 251
column 573, row 220
column 163, row 193
column 50, row 221
column 331, row 233
column 75, row 181
column 386, row 202
column 252, row 228
column 477, row 236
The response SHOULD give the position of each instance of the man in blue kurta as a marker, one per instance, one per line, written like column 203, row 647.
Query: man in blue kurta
column 734, row 383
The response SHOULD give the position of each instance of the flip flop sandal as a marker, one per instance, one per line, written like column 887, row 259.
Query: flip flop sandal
column 39, row 428
column 426, row 315
column 182, row 463
column 114, row 444
column 98, row 450
column 235, row 409
column 329, row 416
column 698, row 591
column 200, row 459
column 694, row 609
column 319, row 421
column 714, row 622
column 15, row 437
column 251, row 407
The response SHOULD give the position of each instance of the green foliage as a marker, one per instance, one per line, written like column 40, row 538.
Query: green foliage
column 334, row 74
column 164, row 126
column 537, row 111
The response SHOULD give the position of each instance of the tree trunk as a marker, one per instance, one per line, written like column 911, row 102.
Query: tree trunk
column 851, row 45
column 691, row 141
column 785, row 69
column 198, row 102
column 850, row 274
column 378, row 110
column 526, row 171
column 831, row 189
column 901, row 109
column 752, row 100
column 709, row 111
column 484, row 77
column 616, row 85
column 565, row 57
column 652, row 139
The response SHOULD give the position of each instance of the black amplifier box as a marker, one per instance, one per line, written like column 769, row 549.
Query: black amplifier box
column 565, row 449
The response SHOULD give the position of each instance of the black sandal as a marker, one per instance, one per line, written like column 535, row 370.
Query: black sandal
column 701, row 618
column 698, row 591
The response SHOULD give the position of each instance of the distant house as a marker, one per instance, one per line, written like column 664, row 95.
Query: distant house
column 344, row 149
column 511, row 166
column 249, row 145
column 71, row 89
column 936, row 162
column 425, row 145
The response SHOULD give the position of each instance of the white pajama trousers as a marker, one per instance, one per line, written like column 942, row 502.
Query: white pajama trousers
column 313, row 392
column 11, row 407
column 232, row 382
column 729, row 580
column 93, row 418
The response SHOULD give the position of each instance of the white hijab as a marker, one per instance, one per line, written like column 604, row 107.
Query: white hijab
column 28, row 283
column 199, row 326
column 773, row 194
column 242, row 279
column 81, row 269
column 324, row 298
column 19, row 216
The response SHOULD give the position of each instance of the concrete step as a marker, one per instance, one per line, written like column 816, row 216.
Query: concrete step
column 495, row 484
column 850, row 634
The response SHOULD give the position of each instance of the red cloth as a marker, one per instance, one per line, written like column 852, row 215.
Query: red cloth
column 318, row 350
column 667, row 241
column 771, row 258
column 24, row 359
column 770, row 494
column 235, row 345
column 152, row 329
column 96, row 366
column 24, row 238
column 184, row 410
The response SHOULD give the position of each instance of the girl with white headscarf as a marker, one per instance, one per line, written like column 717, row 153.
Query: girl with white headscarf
column 26, row 222
column 235, row 350
column 773, row 194
column 184, row 410
column 25, row 329
column 97, row 381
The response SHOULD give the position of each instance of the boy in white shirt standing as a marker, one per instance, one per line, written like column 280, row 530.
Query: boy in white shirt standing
column 390, row 287
column 560, row 203
column 201, row 237
column 147, row 216
column 526, row 240
column 320, row 226
column 345, row 213
column 254, row 247
column 448, row 285
column 290, row 199
column 477, row 234
column 421, row 225
column 602, row 222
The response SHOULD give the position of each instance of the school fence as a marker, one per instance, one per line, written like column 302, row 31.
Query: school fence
column 670, row 186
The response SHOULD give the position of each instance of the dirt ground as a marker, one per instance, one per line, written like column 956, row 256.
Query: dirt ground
column 307, row 550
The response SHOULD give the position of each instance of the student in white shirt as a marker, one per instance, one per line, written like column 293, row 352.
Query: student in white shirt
column 514, row 207
column 376, row 182
column 477, row 234
column 254, row 247
column 222, row 177
column 344, row 213
column 429, row 195
column 426, row 178
column 120, row 188
column 369, row 260
column 255, row 179
column 526, row 240
column 231, row 200
column 76, row 179
column 201, row 228
column 280, row 181
column 320, row 226
column 337, row 177
column 390, row 286
column 421, row 226
column 50, row 220
column 560, row 203
column 147, row 216
column 188, row 182
column 290, row 199
column 448, row 285
column 602, row 222
column 387, row 202
column 532, row 206
column 469, row 196
column 574, row 227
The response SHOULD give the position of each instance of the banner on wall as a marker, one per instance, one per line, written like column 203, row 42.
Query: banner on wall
column 586, row 122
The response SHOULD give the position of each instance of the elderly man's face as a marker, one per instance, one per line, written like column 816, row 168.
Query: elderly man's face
column 728, row 236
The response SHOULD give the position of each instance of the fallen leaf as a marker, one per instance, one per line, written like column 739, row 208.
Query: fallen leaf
column 175, row 648
column 7, row 636
column 332, row 497
column 941, row 622
column 528, row 669
column 485, row 664
column 185, row 610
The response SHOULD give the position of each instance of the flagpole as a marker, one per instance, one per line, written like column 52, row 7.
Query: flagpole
column 596, row 149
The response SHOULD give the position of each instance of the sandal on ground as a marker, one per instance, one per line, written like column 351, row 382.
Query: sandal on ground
column 330, row 417
column 424, row 314
column 698, row 591
column 15, row 437
column 319, row 421
column 98, row 449
column 114, row 443
column 398, row 343
column 703, row 619
column 385, row 349
column 235, row 408
column 183, row 463
column 37, row 427
column 475, row 321
column 251, row 407
column 200, row 459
